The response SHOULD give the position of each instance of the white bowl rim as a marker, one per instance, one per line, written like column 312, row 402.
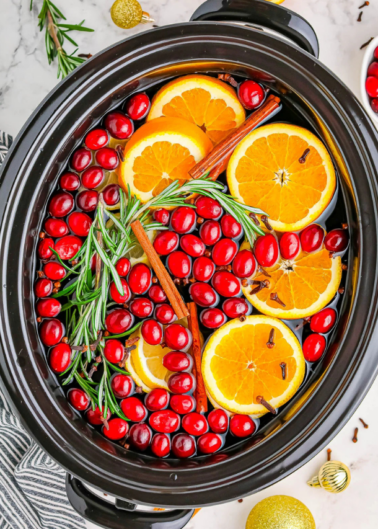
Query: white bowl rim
column 367, row 59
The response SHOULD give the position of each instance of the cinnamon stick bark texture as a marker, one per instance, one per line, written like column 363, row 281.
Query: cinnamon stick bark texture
column 200, row 392
column 165, row 279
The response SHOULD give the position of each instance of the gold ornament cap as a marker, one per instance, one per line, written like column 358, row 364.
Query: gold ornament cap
column 127, row 14
column 280, row 512
column 333, row 477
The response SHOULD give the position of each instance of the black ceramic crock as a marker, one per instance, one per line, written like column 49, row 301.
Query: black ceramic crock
column 321, row 102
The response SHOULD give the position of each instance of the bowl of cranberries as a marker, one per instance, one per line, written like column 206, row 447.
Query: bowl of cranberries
column 369, row 80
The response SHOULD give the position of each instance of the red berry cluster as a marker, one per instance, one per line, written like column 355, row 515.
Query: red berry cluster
column 371, row 83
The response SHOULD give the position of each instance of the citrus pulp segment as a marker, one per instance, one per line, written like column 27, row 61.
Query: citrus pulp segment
column 138, row 381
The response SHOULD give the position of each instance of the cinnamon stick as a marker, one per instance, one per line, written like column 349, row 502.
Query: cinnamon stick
column 165, row 279
column 200, row 392
column 226, row 146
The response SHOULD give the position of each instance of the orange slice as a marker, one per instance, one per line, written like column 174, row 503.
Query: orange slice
column 160, row 152
column 209, row 103
column 265, row 171
column 238, row 367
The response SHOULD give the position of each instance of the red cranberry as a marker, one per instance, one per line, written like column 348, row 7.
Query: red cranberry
column 195, row 424
column 209, row 443
column 371, row 86
column 165, row 314
column 323, row 321
column 157, row 399
column 313, row 347
column 336, row 241
column 266, row 250
column 117, row 430
column 87, row 200
column 192, row 245
column 80, row 160
column 116, row 296
column 203, row 269
column 235, row 307
column 79, row 223
column 95, row 139
column 43, row 288
column 51, row 332
column 164, row 421
column 226, row 284
column 107, row 158
column 113, row 351
column 312, row 238
column 203, row 294
column 92, row 177
column 140, row 279
column 61, row 204
column 138, row 106
column 48, row 308
column 56, row 227
column 69, row 182
column 218, row 421
column 162, row 216
column 44, row 248
column 242, row 425
column 182, row 403
column 290, row 245
column 141, row 307
column 183, row 219
column 161, row 445
column 60, row 357
column 123, row 267
column 152, row 332
column 134, row 409
column 177, row 361
column 224, row 251
column 122, row 385
column 68, row 246
column 250, row 94
column 78, row 399
column 140, row 436
column 54, row 271
column 373, row 69
column 119, row 126
column 208, row 208
column 212, row 318
column 244, row 264
column 166, row 242
column 176, row 336
column 183, row 445
column 118, row 321
column 157, row 294
column 95, row 417
column 111, row 194
column 181, row 383
column 374, row 105
column 230, row 227
column 179, row 264
column 210, row 232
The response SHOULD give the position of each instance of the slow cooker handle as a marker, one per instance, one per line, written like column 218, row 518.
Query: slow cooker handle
column 121, row 515
column 263, row 13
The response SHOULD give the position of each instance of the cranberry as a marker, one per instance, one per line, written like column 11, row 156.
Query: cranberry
column 161, row 445
column 87, row 200
column 218, row 421
column 80, row 160
column 203, row 294
column 212, row 318
column 244, row 264
column 195, row 424
column 166, row 242
column 371, row 86
column 116, row 296
column 118, row 321
column 176, row 336
column 177, row 361
column 60, row 357
column 312, row 238
column 210, row 232
column 95, row 417
column 162, row 216
column 183, row 445
column 123, row 267
column 235, row 307
column 45, row 248
column 165, row 314
column 203, row 269
column 113, row 351
column 182, row 403
column 152, row 332
column 51, row 332
column 140, row 436
column 157, row 294
column 111, row 194
column 141, row 307
column 336, row 241
column 192, row 245
column 242, row 425
column 251, row 94
column 56, row 227
column 107, row 158
column 54, row 271
column 157, row 399
column 181, row 383
column 117, row 430
column 119, row 126
column 323, row 321
column 43, row 288
column 68, row 246
column 79, row 223
column 313, row 347
column 92, row 177
column 95, row 139
column 122, row 385
column 61, row 204
column 266, row 250
column 69, row 181
column 140, row 279
column 226, row 284
column 48, row 308
column 138, row 106
column 164, row 421
column 183, row 219
column 290, row 245
column 179, row 264
column 78, row 399
column 208, row 208
column 224, row 251
column 209, row 443
column 374, row 105
column 230, row 227
column 134, row 409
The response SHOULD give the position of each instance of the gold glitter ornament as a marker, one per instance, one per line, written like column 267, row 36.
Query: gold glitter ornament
column 280, row 512
column 127, row 14
column 333, row 477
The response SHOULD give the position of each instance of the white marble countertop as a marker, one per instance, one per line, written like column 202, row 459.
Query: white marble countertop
column 26, row 78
